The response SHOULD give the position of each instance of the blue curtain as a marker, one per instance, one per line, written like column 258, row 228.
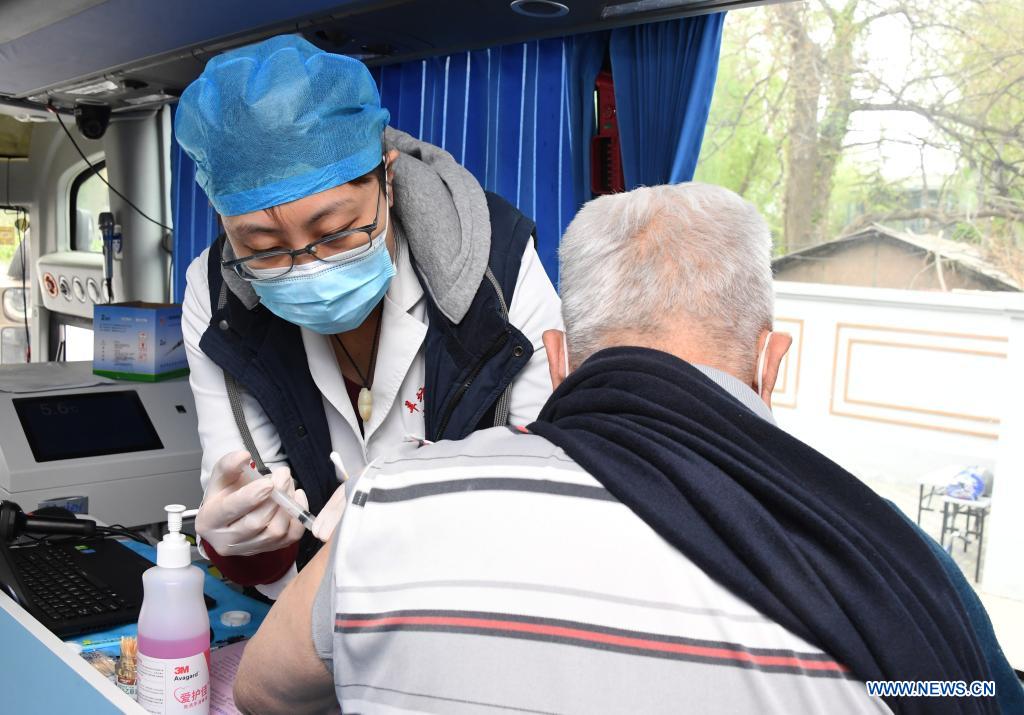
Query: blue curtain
column 520, row 117
column 507, row 114
column 664, row 78
column 194, row 220
column 586, row 54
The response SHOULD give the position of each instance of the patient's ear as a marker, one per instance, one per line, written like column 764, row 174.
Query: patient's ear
column 554, row 346
column 777, row 348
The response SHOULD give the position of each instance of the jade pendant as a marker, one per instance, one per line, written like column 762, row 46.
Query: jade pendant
column 365, row 404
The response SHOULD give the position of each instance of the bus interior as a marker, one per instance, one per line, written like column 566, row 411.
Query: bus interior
column 99, row 205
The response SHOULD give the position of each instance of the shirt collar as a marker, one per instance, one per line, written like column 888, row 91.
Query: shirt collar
column 405, row 289
column 739, row 391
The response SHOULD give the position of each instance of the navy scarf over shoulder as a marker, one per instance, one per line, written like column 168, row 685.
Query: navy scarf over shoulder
column 769, row 518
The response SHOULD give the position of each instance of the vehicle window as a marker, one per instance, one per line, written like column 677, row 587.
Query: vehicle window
column 9, row 238
column 89, row 198
column 78, row 343
column 881, row 141
column 13, row 297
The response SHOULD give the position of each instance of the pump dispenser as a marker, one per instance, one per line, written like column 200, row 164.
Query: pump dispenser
column 174, row 629
column 174, row 552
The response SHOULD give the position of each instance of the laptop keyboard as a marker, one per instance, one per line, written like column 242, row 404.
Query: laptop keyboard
column 60, row 589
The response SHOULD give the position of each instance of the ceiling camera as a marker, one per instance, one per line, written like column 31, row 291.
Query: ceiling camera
column 92, row 119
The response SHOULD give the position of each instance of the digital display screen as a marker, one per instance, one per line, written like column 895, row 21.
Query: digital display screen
column 87, row 425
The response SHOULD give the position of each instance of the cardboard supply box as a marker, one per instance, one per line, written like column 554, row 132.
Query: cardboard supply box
column 138, row 341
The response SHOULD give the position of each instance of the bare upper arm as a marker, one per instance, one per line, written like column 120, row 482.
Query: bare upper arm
column 280, row 670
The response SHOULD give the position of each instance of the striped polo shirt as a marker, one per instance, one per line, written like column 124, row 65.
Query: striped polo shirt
column 495, row 575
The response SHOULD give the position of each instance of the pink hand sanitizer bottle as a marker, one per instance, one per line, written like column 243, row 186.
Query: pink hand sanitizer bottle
column 174, row 630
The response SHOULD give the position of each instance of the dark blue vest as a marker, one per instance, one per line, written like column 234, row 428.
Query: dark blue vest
column 468, row 365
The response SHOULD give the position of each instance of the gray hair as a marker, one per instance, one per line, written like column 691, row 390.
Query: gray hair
column 660, row 258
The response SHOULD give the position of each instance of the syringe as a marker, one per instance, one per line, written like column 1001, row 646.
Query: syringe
column 281, row 499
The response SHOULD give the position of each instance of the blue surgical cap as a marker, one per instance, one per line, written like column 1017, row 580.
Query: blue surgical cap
column 277, row 121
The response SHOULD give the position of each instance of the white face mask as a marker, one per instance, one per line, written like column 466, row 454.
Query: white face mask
column 760, row 361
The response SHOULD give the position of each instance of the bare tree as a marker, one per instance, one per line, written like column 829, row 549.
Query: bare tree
column 967, row 81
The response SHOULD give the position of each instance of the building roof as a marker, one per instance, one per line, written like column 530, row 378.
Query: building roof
column 967, row 255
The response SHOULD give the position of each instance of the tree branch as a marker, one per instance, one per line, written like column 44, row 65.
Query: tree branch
column 934, row 215
column 931, row 113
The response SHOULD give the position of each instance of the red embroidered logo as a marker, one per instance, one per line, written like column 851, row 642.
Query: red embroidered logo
column 415, row 406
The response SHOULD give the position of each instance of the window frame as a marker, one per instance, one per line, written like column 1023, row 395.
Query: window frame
column 76, row 184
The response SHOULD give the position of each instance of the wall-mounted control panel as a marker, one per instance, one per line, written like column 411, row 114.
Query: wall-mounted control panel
column 71, row 282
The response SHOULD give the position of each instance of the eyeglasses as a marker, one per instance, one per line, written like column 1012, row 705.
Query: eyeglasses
column 268, row 265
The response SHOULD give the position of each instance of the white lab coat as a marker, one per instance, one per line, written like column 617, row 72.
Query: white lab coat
column 398, row 380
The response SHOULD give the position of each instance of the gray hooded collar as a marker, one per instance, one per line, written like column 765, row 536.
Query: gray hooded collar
column 440, row 212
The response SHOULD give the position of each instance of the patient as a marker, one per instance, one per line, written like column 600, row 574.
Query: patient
column 652, row 544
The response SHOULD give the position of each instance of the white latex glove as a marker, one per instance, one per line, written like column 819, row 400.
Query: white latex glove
column 330, row 515
column 240, row 519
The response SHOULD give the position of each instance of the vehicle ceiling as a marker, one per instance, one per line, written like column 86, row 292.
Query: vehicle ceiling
column 134, row 55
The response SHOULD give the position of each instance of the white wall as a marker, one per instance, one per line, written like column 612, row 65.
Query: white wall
column 894, row 384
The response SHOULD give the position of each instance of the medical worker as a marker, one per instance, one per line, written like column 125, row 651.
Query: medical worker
column 366, row 290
